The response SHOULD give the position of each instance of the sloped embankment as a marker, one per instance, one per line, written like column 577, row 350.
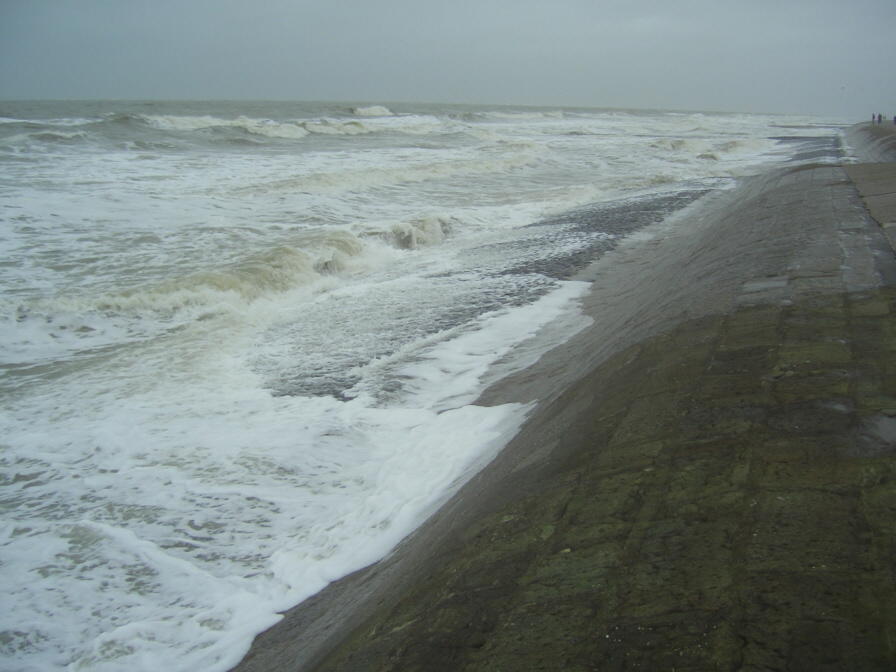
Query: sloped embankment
column 708, row 483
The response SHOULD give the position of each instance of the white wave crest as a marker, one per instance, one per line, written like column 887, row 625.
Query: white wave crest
column 69, row 121
column 38, row 138
column 411, row 124
column 372, row 111
column 276, row 271
column 421, row 232
column 524, row 115
column 376, row 119
column 253, row 290
column 709, row 149
column 296, row 129
column 336, row 127
column 185, row 123
column 264, row 127
column 307, row 260
column 275, row 129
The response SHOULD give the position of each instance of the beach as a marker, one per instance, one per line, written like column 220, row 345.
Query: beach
column 707, row 479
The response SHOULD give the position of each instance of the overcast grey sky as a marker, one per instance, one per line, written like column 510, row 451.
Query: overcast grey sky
column 796, row 56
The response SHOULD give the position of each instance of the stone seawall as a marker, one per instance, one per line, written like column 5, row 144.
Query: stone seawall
column 708, row 482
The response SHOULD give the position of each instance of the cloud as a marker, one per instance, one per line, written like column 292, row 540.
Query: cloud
column 794, row 56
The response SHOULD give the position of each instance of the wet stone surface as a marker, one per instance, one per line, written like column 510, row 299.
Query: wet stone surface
column 717, row 493
column 726, row 500
column 735, row 510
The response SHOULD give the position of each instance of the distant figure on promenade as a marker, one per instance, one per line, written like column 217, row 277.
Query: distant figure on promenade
column 879, row 118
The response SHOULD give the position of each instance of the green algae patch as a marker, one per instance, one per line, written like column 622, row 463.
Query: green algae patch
column 814, row 355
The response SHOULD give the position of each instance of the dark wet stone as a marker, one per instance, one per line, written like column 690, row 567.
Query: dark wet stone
column 716, row 493
column 712, row 527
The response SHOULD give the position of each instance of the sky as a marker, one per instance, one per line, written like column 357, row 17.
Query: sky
column 816, row 57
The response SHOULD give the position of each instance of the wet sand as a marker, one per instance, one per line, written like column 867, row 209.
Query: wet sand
column 707, row 482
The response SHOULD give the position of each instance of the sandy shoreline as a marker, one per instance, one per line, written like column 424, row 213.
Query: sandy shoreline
column 706, row 480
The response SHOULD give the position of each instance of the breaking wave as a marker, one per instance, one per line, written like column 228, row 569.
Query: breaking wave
column 302, row 265
column 275, row 271
column 263, row 127
column 524, row 115
column 422, row 232
column 161, row 129
column 44, row 137
column 377, row 119
column 708, row 149
column 372, row 111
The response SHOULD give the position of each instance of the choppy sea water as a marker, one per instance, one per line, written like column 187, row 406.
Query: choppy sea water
column 240, row 343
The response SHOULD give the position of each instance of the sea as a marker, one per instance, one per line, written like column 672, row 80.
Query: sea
column 241, row 343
